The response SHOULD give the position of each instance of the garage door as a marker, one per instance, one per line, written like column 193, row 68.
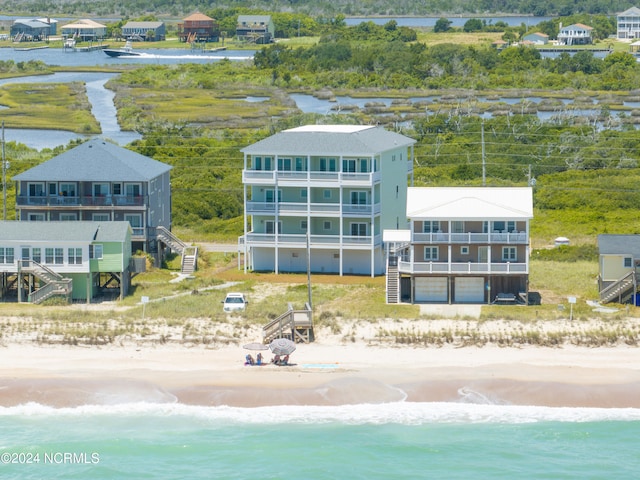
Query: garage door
column 431, row 289
column 469, row 290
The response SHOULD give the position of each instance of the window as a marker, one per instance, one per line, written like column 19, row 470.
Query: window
column 430, row 226
column 267, row 163
column 36, row 217
column 326, row 194
column 75, row 256
column 95, row 251
column 348, row 165
column 6, row 254
column 498, row 226
column 509, row 254
column 326, row 225
column 284, row 164
column 271, row 194
column 511, row 226
column 257, row 163
column 132, row 189
column 53, row 189
column 303, row 225
column 116, row 188
column 68, row 189
column 100, row 189
column 457, row 227
column 364, row 165
column 36, row 189
column 359, row 229
column 300, row 164
column 303, row 193
column 36, row 254
column 48, row 256
column 431, row 254
column 327, row 164
column 100, row 217
column 66, row 217
column 270, row 227
column 59, row 256
column 358, row 198
column 464, row 250
column 627, row 262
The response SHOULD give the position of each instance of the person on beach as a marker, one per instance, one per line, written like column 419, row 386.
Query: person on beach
column 285, row 360
column 276, row 360
column 249, row 360
column 259, row 359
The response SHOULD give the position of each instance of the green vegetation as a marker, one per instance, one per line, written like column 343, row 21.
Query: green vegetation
column 48, row 106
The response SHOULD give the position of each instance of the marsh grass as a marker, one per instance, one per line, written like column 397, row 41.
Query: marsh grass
column 48, row 105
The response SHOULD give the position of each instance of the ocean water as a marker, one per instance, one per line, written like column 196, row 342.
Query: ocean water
column 389, row 441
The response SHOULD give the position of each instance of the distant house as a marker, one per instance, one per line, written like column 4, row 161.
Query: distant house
column 576, row 34
column 77, row 260
column 144, row 31
column 258, row 29
column 629, row 24
column 464, row 245
column 85, row 29
column 619, row 263
column 198, row 28
column 30, row 30
column 536, row 38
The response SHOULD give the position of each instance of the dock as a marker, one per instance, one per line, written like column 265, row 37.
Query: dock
column 26, row 49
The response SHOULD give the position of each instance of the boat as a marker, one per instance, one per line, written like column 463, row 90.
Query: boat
column 126, row 51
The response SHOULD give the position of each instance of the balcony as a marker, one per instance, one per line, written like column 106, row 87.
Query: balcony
column 75, row 202
column 314, row 209
column 315, row 241
column 466, row 268
column 469, row 238
column 271, row 177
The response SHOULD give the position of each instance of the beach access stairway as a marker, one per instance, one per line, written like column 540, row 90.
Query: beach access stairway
column 622, row 290
column 189, row 253
column 53, row 283
column 296, row 325
column 393, row 280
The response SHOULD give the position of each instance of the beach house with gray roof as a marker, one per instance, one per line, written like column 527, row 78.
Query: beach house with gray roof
column 78, row 260
column 628, row 24
column 99, row 181
column 258, row 29
column 321, row 195
column 144, row 31
column 619, row 262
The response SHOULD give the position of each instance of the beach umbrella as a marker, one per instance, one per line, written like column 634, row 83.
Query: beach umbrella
column 256, row 346
column 282, row 346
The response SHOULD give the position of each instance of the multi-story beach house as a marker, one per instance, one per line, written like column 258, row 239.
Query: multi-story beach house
column 628, row 24
column 255, row 28
column 99, row 181
column 78, row 260
column 576, row 34
column 198, row 28
column 619, row 262
column 84, row 29
column 463, row 245
column 318, row 197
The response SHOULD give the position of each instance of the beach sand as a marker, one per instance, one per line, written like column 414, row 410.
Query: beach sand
column 324, row 373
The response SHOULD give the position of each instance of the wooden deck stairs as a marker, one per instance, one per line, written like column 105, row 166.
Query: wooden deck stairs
column 393, row 280
column 53, row 283
column 622, row 290
column 189, row 253
column 296, row 325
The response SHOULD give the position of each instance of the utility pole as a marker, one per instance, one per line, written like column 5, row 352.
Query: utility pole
column 4, row 179
column 484, row 162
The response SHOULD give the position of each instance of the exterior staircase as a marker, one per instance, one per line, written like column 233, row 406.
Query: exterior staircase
column 393, row 280
column 621, row 290
column 54, row 283
column 296, row 325
column 189, row 263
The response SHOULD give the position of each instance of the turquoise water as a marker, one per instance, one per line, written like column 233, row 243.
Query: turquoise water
column 399, row 441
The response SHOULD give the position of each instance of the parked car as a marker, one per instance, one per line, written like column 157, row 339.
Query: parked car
column 234, row 302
